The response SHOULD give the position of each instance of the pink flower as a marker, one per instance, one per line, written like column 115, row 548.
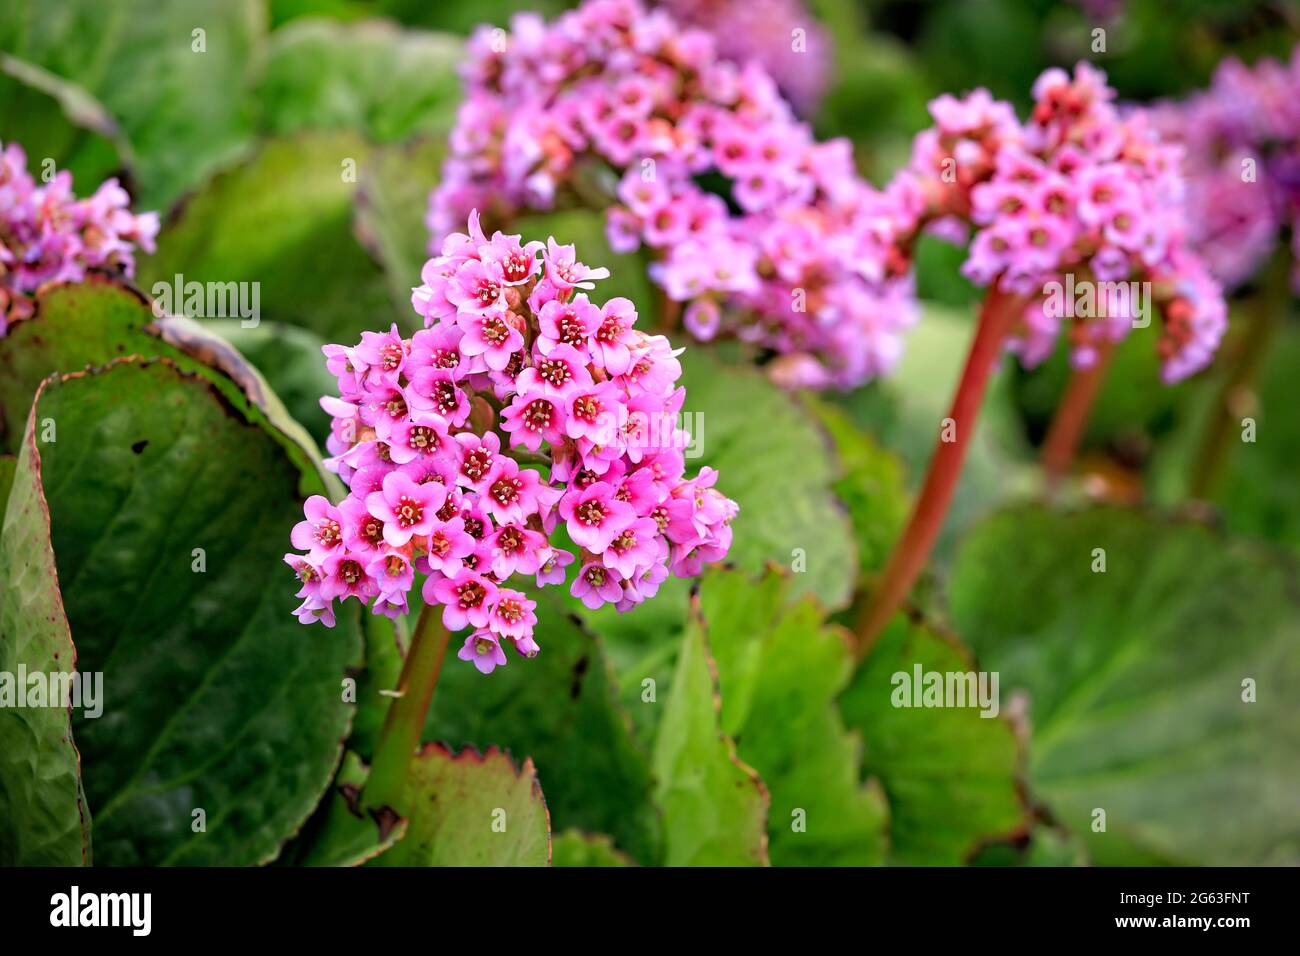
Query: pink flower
column 417, row 430
column 609, row 344
column 634, row 548
column 534, row 418
column 322, row 532
column 344, row 575
column 406, row 508
column 447, row 547
column 421, row 434
column 510, row 492
column 595, row 413
column 596, row 585
column 593, row 516
column 484, row 650
column 467, row 599
column 567, row 323
column 512, row 615
column 565, row 271
column 491, row 336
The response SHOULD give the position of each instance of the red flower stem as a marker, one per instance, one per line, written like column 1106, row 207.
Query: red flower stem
column 1066, row 430
column 913, row 549
column 404, row 724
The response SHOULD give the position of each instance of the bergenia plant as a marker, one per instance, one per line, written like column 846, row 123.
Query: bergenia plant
column 1079, row 197
column 1241, row 139
column 782, row 35
column 526, row 437
column 47, row 234
column 760, row 231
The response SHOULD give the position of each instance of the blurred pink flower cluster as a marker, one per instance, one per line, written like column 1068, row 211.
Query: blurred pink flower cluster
column 523, row 416
column 1081, row 191
column 765, row 233
column 49, row 235
column 781, row 35
column 1242, row 143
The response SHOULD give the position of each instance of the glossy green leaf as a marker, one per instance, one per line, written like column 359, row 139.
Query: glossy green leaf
column 44, row 820
column 371, row 77
column 472, row 809
column 780, row 669
column 285, row 214
column 1138, row 679
column 174, row 76
column 775, row 462
column 87, row 324
column 168, row 559
column 951, row 775
column 575, row 848
column 714, row 805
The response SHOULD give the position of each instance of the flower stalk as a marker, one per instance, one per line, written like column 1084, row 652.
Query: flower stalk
column 913, row 549
column 404, row 724
column 1071, row 418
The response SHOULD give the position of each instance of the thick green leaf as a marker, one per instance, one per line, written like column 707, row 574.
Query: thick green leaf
column 870, row 483
column 951, row 774
column 90, row 323
column 561, row 710
column 714, row 806
column 774, row 460
column 780, row 669
column 341, row 834
column 184, row 112
column 575, row 848
column 44, row 820
column 472, row 809
column 1136, row 679
column 168, row 555
column 642, row 647
column 284, row 220
column 371, row 77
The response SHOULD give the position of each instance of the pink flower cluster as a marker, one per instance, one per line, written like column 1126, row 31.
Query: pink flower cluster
column 49, row 235
column 1242, row 143
column 1080, row 190
column 765, row 233
column 785, row 39
column 523, row 416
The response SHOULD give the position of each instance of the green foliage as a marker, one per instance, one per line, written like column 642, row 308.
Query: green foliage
column 561, row 710
column 472, row 809
column 1138, row 679
column 780, row 669
column 714, row 805
column 951, row 775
